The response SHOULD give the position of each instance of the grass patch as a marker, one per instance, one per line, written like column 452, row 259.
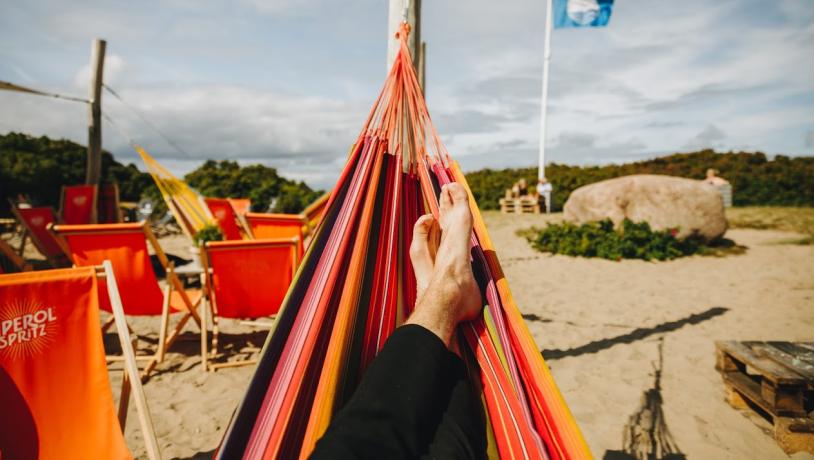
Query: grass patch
column 633, row 240
column 789, row 219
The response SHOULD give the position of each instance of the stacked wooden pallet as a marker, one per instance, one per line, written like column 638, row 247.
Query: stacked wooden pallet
column 522, row 205
column 775, row 379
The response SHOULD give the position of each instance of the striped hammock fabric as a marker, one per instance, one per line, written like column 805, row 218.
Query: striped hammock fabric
column 356, row 285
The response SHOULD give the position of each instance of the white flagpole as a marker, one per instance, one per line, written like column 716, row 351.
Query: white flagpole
column 544, row 101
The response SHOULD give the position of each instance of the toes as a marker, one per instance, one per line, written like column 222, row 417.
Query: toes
column 445, row 200
column 421, row 253
column 457, row 193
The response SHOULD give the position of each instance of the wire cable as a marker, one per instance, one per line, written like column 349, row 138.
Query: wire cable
column 146, row 121
column 8, row 86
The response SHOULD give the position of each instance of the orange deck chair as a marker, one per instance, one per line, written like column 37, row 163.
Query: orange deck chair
column 56, row 400
column 240, row 205
column 125, row 245
column 246, row 280
column 78, row 204
column 107, row 205
column 265, row 226
column 35, row 222
column 10, row 261
column 224, row 213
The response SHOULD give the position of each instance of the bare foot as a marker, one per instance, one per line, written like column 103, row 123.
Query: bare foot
column 447, row 291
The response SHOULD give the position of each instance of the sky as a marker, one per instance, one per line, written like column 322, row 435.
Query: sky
column 288, row 83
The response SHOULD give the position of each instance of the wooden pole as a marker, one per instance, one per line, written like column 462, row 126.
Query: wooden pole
column 395, row 18
column 97, row 64
column 422, row 65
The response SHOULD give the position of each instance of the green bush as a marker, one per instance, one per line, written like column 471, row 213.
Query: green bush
column 209, row 232
column 756, row 180
column 600, row 239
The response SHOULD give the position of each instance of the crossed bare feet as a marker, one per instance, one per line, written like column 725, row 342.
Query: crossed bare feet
column 447, row 291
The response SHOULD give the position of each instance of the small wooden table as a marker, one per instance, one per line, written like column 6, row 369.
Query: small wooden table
column 775, row 379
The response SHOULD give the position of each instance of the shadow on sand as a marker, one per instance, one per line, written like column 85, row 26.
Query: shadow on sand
column 646, row 436
column 635, row 335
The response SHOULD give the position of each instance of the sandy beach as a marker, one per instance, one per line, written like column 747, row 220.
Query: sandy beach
column 582, row 313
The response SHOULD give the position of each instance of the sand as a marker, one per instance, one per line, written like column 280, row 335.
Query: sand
column 582, row 310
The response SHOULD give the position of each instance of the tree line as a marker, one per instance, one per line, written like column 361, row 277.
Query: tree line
column 756, row 180
column 37, row 168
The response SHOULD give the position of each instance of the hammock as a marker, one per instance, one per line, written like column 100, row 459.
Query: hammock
column 186, row 205
column 356, row 285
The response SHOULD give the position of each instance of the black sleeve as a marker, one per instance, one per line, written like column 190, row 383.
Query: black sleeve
column 399, row 403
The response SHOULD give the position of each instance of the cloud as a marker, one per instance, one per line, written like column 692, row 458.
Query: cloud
column 808, row 141
column 707, row 138
column 113, row 68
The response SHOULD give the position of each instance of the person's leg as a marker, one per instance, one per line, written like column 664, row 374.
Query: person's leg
column 462, row 430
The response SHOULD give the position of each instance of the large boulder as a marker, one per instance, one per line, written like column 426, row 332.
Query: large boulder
column 692, row 206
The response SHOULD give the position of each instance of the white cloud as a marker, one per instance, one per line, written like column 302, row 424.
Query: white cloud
column 114, row 67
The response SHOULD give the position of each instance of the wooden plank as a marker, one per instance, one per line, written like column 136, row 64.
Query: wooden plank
column 793, row 363
column 752, row 391
column 769, row 369
column 800, row 350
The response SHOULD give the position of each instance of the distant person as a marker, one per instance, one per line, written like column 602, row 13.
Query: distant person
column 523, row 189
column 721, row 184
column 544, row 189
column 714, row 179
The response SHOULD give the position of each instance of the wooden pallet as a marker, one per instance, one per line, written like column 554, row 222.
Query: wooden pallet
column 519, row 205
column 777, row 380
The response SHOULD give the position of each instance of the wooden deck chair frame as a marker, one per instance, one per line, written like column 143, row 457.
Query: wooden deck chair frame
column 11, row 255
column 173, row 284
column 131, row 381
column 27, row 233
column 212, row 303
column 93, row 213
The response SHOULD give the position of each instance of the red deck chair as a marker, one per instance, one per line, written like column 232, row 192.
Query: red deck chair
column 240, row 205
column 125, row 245
column 35, row 221
column 312, row 215
column 225, row 215
column 246, row 280
column 55, row 396
column 78, row 204
column 107, row 205
column 10, row 261
column 265, row 226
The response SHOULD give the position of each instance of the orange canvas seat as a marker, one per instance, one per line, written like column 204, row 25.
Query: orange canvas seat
column 247, row 279
column 312, row 215
column 225, row 215
column 35, row 221
column 125, row 245
column 78, row 204
column 265, row 226
column 240, row 205
column 55, row 395
column 107, row 205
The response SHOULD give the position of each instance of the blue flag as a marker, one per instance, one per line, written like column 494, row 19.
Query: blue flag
column 581, row 13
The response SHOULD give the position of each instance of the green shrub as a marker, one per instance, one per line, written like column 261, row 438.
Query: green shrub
column 600, row 239
column 209, row 232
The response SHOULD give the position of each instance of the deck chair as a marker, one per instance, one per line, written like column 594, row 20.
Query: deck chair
column 78, row 204
column 240, row 205
column 10, row 261
column 125, row 245
column 312, row 215
column 107, row 205
column 35, row 222
column 55, row 392
column 225, row 215
column 245, row 280
column 265, row 226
